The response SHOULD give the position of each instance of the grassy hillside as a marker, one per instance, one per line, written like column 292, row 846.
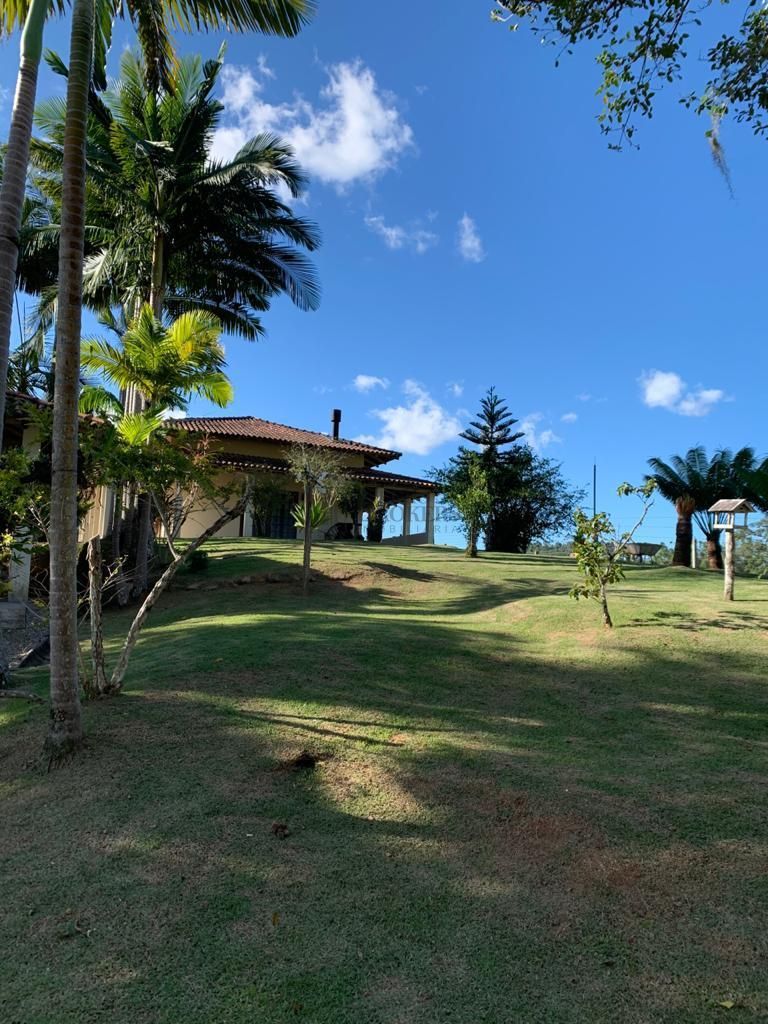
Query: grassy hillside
column 516, row 816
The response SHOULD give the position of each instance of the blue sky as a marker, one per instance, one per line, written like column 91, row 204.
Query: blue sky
column 477, row 231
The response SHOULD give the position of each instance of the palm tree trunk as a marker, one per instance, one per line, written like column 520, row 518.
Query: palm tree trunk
column 15, row 179
column 157, row 294
column 118, row 676
column 144, row 515
column 66, row 728
column 307, row 563
column 134, row 402
column 714, row 553
column 95, row 584
column 683, row 540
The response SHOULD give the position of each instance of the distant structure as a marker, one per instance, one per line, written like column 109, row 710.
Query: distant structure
column 637, row 551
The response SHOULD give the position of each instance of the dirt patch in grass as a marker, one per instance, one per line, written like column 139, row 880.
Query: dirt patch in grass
column 304, row 761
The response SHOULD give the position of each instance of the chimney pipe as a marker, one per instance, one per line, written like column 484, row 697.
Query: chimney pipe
column 336, row 420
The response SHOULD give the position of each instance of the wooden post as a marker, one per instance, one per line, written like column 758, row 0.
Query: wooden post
column 725, row 511
column 730, row 545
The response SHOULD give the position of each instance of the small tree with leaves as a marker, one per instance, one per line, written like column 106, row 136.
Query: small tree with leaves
column 319, row 471
column 471, row 498
column 599, row 552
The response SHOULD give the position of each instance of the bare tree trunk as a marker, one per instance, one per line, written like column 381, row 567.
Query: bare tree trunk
column 118, row 676
column 95, row 583
column 307, row 538
column 66, row 727
column 14, row 182
column 607, row 620
column 730, row 543
column 714, row 554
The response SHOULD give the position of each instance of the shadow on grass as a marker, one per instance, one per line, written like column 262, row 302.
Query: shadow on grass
column 497, row 835
column 732, row 620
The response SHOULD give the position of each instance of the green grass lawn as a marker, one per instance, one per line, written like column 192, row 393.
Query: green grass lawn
column 519, row 817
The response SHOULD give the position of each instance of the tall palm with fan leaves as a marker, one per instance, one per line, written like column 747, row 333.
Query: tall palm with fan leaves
column 283, row 17
column 693, row 483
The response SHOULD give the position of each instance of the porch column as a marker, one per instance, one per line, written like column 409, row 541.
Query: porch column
column 430, row 519
column 407, row 517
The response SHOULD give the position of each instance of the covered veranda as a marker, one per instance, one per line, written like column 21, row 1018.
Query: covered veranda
column 409, row 502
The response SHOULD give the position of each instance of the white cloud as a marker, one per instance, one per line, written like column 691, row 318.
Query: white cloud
column 352, row 133
column 538, row 439
column 456, row 388
column 584, row 397
column 397, row 237
column 663, row 389
column 264, row 69
column 174, row 414
column 700, row 402
column 470, row 243
column 364, row 382
column 417, row 427
column 569, row 417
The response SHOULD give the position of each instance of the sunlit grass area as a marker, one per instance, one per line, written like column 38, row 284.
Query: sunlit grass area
column 515, row 815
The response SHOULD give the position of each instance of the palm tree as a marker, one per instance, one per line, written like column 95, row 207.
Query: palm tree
column 13, row 188
column 165, row 367
column 279, row 16
column 693, row 483
column 168, row 224
column 152, row 21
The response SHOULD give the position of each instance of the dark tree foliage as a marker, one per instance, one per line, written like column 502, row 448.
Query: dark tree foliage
column 530, row 499
column 492, row 429
column 535, row 502
column 644, row 45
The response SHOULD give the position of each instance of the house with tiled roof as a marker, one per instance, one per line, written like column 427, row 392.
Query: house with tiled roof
column 247, row 445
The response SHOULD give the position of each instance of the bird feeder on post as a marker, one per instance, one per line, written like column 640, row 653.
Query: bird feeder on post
column 725, row 512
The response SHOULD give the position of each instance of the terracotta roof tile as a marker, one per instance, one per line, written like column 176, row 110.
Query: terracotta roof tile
column 250, row 427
